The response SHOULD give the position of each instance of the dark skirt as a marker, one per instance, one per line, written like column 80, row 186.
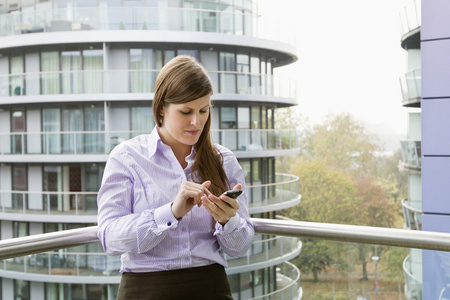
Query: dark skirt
column 208, row 282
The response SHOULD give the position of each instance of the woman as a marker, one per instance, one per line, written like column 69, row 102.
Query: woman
column 158, row 204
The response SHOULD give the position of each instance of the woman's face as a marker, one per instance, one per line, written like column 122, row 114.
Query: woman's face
column 182, row 124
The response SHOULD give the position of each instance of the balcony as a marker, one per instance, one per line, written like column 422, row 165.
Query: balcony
column 230, row 21
column 413, row 286
column 81, row 207
column 94, row 146
column 411, row 155
column 411, row 86
column 412, row 215
column 99, row 267
column 120, row 83
column 410, row 18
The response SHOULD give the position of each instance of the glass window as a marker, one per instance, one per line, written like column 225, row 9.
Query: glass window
column 142, row 119
column 227, row 83
column 71, row 122
column 51, row 121
column 94, row 120
column 193, row 53
column 21, row 289
column 93, row 71
column 243, row 64
column 227, row 61
column 18, row 125
column 17, row 76
column 244, row 117
column 50, row 72
column 227, row 117
column 20, row 229
column 143, row 75
column 19, row 184
column 162, row 57
column 256, row 118
column 71, row 72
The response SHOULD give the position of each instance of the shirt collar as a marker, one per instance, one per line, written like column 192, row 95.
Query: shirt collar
column 155, row 143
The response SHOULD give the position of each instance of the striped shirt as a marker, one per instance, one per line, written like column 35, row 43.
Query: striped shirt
column 141, row 179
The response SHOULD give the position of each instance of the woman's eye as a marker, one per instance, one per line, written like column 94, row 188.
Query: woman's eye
column 203, row 111
column 185, row 112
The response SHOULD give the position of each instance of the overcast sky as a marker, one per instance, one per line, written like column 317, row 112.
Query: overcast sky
column 350, row 58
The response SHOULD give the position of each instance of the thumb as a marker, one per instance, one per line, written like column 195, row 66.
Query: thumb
column 206, row 185
column 237, row 186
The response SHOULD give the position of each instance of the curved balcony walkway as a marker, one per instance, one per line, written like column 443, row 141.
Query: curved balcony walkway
column 94, row 146
column 81, row 207
column 413, row 286
column 412, row 216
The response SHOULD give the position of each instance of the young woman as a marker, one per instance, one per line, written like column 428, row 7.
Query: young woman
column 160, row 204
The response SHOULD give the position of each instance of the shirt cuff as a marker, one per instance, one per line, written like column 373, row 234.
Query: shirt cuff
column 164, row 217
column 229, row 227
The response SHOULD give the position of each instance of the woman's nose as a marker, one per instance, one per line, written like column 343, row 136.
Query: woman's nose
column 195, row 119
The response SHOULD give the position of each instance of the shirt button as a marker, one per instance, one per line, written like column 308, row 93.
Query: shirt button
column 183, row 229
column 169, row 223
column 185, row 246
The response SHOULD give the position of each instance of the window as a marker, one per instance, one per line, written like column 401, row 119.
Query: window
column 142, row 119
column 93, row 70
column 71, row 78
column 143, row 75
column 18, row 125
column 21, row 289
column 50, row 69
column 51, row 121
column 19, row 183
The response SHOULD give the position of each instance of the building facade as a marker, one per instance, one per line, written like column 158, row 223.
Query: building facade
column 77, row 78
column 411, row 146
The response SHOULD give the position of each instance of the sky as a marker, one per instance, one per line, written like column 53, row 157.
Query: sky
column 349, row 58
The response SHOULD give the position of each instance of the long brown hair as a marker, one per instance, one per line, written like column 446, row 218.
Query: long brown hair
column 184, row 79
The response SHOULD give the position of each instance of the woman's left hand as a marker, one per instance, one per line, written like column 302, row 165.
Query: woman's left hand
column 221, row 209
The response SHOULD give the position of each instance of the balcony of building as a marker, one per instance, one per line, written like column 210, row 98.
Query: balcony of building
column 412, row 214
column 410, row 18
column 81, row 207
column 411, row 155
column 413, row 285
column 97, row 85
column 228, row 19
column 94, row 146
column 411, row 87
column 22, row 257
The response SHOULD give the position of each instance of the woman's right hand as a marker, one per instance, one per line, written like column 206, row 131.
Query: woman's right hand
column 189, row 195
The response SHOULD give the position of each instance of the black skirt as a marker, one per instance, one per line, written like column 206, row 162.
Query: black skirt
column 208, row 282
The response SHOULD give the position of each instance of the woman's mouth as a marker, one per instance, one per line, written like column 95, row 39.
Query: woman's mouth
column 193, row 132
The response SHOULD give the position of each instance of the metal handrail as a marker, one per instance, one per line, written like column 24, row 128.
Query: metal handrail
column 22, row 246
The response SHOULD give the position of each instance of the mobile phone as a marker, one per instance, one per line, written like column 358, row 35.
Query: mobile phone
column 232, row 193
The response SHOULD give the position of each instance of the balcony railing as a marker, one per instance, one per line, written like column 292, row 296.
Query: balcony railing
column 267, row 251
column 16, row 247
column 413, row 286
column 102, row 142
column 412, row 216
column 137, row 81
column 411, row 154
column 232, row 21
column 410, row 17
column 283, row 193
column 411, row 86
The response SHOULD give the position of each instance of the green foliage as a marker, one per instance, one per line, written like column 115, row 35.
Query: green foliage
column 342, row 180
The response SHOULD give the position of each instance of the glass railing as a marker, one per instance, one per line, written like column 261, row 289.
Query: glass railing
column 412, row 215
column 99, row 264
column 49, row 203
column 413, row 286
column 262, row 197
column 256, row 139
column 411, row 154
column 411, row 85
column 410, row 16
column 288, row 279
column 137, row 81
column 102, row 142
column 265, row 250
column 230, row 21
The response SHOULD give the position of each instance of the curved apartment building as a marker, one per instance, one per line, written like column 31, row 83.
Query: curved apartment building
column 77, row 78
column 411, row 84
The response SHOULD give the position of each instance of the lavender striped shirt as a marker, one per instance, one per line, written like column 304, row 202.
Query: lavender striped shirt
column 141, row 179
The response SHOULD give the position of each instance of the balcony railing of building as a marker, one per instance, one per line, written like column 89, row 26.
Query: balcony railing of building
column 412, row 216
column 282, row 193
column 271, row 250
column 411, row 86
column 16, row 247
column 413, row 285
column 137, row 81
column 230, row 21
column 411, row 154
column 410, row 17
column 102, row 142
